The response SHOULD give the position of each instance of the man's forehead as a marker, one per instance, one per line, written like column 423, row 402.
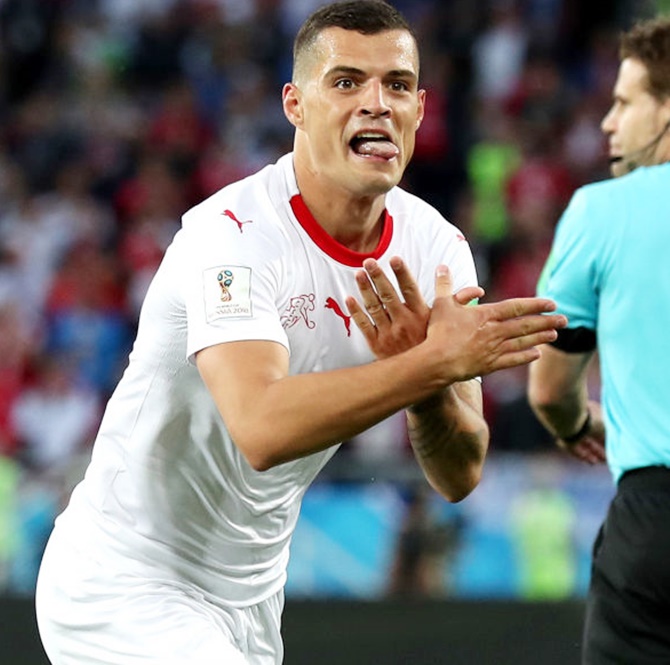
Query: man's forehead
column 633, row 76
column 392, row 49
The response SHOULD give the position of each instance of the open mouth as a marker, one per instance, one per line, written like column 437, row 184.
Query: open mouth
column 374, row 144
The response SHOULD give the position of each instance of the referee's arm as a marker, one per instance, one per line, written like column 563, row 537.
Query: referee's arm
column 558, row 395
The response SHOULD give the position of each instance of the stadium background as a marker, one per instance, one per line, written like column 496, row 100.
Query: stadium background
column 117, row 115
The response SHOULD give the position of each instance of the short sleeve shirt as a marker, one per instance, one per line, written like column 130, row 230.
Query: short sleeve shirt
column 608, row 272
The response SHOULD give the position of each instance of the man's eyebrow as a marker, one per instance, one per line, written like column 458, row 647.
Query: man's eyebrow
column 341, row 70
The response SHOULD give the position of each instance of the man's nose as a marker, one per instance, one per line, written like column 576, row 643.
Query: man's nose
column 607, row 123
column 374, row 100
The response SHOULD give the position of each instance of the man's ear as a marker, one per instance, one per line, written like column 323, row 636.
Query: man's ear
column 292, row 104
column 421, row 109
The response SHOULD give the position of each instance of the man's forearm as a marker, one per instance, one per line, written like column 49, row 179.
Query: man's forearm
column 565, row 418
column 450, row 438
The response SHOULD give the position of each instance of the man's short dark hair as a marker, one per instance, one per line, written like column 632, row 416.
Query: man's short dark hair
column 649, row 42
column 368, row 17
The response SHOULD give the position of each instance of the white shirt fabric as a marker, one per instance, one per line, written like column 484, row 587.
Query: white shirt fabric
column 168, row 495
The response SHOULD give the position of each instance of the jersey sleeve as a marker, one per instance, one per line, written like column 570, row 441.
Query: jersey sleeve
column 570, row 275
column 230, row 286
column 447, row 246
column 461, row 263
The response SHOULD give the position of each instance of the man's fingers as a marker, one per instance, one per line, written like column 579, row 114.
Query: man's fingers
column 517, row 307
column 531, row 324
column 385, row 296
column 408, row 286
column 588, row 450
column 371, row 301
column 361, row 319
column 468, row 294
column 443, row 283
column 529, row 341
column 514, row 359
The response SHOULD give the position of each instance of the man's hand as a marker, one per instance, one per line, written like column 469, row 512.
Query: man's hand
column 476, row 341
column 472, row 341
column 393, row 322
column 590, row 448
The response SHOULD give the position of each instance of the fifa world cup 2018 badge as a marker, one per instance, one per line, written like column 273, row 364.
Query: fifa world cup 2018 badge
column 225, row 279
column 227, row 292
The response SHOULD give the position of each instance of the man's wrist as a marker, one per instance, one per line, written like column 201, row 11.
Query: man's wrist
column 429, row 404
column 581, row 432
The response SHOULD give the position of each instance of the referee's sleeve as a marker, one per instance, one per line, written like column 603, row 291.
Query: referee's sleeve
column 570, row 276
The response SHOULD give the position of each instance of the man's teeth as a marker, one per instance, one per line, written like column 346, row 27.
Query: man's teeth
column 370, row 135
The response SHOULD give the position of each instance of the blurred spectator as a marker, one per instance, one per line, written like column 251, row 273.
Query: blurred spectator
column 433, row 169
column 584, row 146
column 39, row 138
column 86, row 322
column 424, row 549
column 384, row 445
column 176, row 131
column 149, row 206
column 218, row 165
column 543, row 523
column 154, row 189
column 36, row 505
column 9, row 489
column 71, row 208
column 16, row 346
column 26, row 34
column 155, row 57
column 32, row 244
column 490, row 162
column 542, row 98
column 499, row 52
column 55, row 418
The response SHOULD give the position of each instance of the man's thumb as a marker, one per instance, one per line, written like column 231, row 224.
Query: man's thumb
column 443, row 286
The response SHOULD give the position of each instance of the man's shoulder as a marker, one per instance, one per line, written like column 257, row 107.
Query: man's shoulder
column 401, row 199
column 603, row 199
column 402, row 204
column 244, row 197
column 613, row 190
column 408, row 209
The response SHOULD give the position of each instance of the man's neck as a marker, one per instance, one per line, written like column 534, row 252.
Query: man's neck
column 353, row 221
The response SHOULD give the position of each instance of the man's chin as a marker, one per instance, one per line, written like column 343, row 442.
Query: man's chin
column 619, row 169
column 376, row 180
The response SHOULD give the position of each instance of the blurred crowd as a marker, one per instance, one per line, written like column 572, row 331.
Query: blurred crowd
column 116, row 116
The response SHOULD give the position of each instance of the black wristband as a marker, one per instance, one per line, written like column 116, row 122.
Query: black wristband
column 581, row 432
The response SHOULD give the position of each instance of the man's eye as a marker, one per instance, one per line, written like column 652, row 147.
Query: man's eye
column 399, row 86
column 344, row 84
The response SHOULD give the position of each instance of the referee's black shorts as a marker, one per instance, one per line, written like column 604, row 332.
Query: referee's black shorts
column 628, row 604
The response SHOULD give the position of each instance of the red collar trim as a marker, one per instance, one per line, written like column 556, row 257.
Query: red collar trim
column 333, row 248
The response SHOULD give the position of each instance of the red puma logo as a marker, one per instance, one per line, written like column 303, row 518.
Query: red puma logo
column 332, row 304
column 231, row 214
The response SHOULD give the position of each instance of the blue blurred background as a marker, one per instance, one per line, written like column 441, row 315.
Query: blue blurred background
column 117, row 115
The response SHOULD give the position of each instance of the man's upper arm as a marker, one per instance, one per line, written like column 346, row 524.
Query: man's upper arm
column 555, row 374
column 236, row 373
column 573, row 269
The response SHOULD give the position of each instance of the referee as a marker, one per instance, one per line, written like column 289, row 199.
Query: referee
column 608, row 272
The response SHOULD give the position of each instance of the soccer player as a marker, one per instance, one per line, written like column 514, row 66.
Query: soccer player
column 253, row 361
column 608, row 273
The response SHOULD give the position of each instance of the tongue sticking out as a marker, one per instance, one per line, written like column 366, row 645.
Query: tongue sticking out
column 377, row 148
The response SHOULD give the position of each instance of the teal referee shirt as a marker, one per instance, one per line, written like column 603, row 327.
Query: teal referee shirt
column 609, row 272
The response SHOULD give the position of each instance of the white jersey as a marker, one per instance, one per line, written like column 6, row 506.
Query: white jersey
column 168, row 495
